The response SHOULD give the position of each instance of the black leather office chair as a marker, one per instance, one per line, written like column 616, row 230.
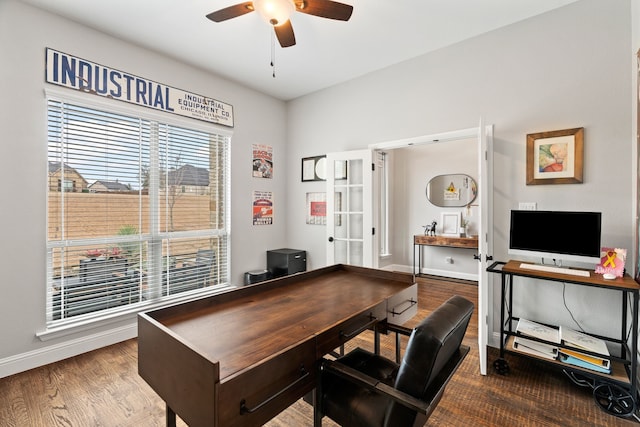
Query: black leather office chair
column 363, row 389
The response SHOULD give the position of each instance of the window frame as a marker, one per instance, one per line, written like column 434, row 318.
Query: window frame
column 55, row 327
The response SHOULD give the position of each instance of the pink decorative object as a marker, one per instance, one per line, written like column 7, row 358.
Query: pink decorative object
column 612, row 261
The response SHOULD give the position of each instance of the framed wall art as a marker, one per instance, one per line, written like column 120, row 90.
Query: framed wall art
column 314, row 168
column 262, row 161
column 317, row 208
column 555, row 157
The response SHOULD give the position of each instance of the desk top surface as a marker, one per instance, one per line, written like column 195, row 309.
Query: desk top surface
column 243, row 327
column 623, row 283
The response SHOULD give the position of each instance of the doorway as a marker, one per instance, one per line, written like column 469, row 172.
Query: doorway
column 453, row 152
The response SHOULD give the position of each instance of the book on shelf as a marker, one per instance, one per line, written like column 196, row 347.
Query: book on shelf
column 587, row 358
column 535, row 348
column 537, row 330
column 581, row 363
column 583, row 341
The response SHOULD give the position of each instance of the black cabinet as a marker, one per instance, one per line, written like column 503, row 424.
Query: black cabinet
column 281, row 262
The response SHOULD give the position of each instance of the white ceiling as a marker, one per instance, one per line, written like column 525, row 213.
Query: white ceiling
column 380, row 33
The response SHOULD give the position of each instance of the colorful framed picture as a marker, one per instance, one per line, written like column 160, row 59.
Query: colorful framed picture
column 262, row 207
column 262, row 161
column 317, row 208
column 555, row 157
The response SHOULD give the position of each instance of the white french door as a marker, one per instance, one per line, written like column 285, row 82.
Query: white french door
column 349, row 208
column 485, row 247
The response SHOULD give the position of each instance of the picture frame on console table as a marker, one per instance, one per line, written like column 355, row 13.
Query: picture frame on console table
column 451, row 223
column 555, row 157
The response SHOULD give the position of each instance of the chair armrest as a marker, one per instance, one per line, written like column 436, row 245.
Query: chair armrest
column 349, row 373
column 433, row 395
column 399, row 329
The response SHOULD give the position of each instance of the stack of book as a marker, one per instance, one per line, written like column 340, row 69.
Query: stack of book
column 528, row 329
column 585, row 342
column 536, row 330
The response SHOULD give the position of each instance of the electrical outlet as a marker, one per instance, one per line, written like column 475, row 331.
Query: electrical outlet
column 527, row 206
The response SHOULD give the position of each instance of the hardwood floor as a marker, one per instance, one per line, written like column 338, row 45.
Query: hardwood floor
column 102, row 388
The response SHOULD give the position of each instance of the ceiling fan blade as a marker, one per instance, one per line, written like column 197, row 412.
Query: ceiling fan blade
column 325, row 9
column 231, row 12
column 285, row 34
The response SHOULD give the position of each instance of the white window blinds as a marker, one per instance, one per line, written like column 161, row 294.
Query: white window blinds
column 137, row 211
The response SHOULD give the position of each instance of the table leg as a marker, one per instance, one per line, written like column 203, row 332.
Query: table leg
column 413, row 270
column 171, row 417
column 317, row 408
column 634, row 346
column 376, row 341
column 502, row 303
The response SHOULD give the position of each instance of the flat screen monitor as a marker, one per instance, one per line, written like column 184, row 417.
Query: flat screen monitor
column 557, row 235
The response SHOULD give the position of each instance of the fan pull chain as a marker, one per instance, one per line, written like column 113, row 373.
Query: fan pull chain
column 273, row 54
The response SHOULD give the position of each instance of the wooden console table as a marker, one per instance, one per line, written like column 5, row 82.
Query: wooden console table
column 420, row 240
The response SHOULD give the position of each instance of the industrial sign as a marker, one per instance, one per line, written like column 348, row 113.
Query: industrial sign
column 76, row 73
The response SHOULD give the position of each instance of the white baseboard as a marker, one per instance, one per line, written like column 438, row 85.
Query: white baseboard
column 433, row 272
column 56, row 352
column 68, row 347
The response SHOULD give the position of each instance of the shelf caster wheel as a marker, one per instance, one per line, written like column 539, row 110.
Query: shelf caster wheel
column 501, row 366
column 614, row 399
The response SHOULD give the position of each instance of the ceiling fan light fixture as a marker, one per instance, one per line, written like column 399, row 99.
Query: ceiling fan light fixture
column 275, row 12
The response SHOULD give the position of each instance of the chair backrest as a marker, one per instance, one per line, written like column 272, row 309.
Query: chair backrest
column 432, row 343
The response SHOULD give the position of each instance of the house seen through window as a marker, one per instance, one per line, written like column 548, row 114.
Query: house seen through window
column 137, row 211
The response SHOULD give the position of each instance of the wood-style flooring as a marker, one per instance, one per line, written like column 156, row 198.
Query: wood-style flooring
column 102, row 388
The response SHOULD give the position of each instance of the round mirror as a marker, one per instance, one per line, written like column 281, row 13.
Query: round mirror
column 455, row 190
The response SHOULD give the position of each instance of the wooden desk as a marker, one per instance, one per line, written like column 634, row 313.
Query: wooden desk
column 420, row 240
column 240, row 358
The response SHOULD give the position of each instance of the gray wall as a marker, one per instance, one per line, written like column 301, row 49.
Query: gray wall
column 25, row 32
column 567, row 68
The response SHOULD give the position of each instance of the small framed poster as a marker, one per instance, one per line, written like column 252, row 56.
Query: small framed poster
column 262, row 161
column 317, row 208
column 262, row 208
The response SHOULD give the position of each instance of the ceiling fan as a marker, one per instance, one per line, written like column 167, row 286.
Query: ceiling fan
column 277, row 13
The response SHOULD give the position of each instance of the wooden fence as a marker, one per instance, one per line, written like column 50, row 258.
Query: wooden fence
column 96, row 215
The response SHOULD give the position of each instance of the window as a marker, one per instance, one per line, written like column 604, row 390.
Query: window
column 131, row 235
column 67, row 186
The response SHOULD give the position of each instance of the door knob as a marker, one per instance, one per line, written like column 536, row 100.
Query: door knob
column 331, row 239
